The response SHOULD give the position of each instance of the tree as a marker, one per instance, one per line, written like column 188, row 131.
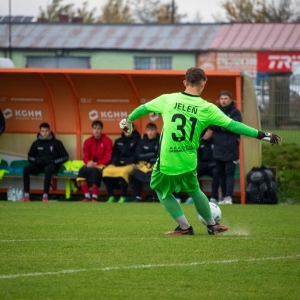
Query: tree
column 261, row 11
column 145, row 11
column 198, row 17
column 53, row 10
column 155, row 11
column 115, row 11
column 83, row 12
column 285, row 11
column 168, row 13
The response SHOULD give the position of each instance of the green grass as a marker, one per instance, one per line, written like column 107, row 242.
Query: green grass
column 71, row 250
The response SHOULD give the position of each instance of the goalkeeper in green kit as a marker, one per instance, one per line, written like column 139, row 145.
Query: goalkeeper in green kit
column 185, row 116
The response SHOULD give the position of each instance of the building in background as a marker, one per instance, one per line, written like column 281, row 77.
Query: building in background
column 265, row 52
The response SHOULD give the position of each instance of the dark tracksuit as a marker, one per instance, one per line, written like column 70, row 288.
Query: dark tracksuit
column 207, row 165
column 2, row 122
column 226, row 150
column 122, row 155
column 45, row 156
column 147, row 151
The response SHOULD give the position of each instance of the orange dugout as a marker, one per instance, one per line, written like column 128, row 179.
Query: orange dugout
column 70, row 99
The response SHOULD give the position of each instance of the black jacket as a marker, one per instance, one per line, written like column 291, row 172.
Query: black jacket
column 226, row 143
column 124, row 148
column 205, row 150
column 45, row 152
column 147, row 150
column 2, row 122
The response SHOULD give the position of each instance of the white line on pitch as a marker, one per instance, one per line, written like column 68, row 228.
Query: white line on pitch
column 9, row 276
column 129, row 238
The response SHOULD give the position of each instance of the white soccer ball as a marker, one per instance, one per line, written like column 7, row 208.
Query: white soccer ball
column 216, row 213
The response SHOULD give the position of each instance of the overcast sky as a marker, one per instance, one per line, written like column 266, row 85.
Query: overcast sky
column 203, row 8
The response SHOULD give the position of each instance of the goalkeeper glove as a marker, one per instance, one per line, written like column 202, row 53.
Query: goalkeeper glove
column 270, row 137
column 126, row 126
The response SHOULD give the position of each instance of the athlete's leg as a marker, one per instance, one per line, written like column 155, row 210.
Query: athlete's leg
column 110, row 183
column 174, row 209
column 202, row 206
column 49, row 171
column 124, row 187
column 136, row 187
column 27, row 171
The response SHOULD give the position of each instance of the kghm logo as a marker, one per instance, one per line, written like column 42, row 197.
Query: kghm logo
column 112, row 115
column 23, row 114
column 7, row 113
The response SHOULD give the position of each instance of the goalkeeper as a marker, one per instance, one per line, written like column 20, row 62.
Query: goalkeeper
column 186, row 115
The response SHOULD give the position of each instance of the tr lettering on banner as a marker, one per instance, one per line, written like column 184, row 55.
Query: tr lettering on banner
column 282, row 61
column 276, row 61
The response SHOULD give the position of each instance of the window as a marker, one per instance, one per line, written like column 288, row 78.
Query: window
column 57, row 62
column 153, row 63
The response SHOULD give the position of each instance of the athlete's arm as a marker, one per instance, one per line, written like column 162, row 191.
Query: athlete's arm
column 243, row 129
column 155, row 106
column 138, row 112
column 126, row 124
column 240, row 128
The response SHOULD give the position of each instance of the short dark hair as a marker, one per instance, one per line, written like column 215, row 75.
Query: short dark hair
column 44, row 125
column 194, row 76
column 97, row 123
column 151, row 126
column 226, row 93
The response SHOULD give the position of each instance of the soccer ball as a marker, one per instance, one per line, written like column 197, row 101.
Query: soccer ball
column 216, row 212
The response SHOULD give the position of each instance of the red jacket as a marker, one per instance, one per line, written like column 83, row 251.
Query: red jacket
column 97, row 150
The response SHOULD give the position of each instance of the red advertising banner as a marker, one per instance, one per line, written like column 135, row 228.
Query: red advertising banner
column 276, row 61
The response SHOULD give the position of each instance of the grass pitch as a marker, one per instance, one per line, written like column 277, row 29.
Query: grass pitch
column 71, row 250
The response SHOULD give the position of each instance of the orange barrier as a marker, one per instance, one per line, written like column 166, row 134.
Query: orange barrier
column 70, row 99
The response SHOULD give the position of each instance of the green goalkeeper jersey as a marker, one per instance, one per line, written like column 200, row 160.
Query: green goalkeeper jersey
column 185, row 117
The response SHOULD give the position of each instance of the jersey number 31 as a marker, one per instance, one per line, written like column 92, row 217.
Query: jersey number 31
column 182, row 129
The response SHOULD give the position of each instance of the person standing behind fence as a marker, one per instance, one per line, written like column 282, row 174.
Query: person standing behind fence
column 97, row 151
column 45, row 155
column 145, row 156
column 226, row 147
column 116, row 175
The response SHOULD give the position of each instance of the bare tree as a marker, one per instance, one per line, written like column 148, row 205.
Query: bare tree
column 87, row 16
column 53, row 10
column 145, row 11
column 247, row 11
column 155, row 11
column 198, row 17
column 116, row 11
column 261, row 11
column 168, row 13
column 284, row 11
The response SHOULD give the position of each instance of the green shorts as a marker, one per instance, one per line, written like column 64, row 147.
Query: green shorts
column 168, row 184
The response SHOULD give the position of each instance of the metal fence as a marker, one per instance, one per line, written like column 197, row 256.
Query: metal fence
column 278, row 98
